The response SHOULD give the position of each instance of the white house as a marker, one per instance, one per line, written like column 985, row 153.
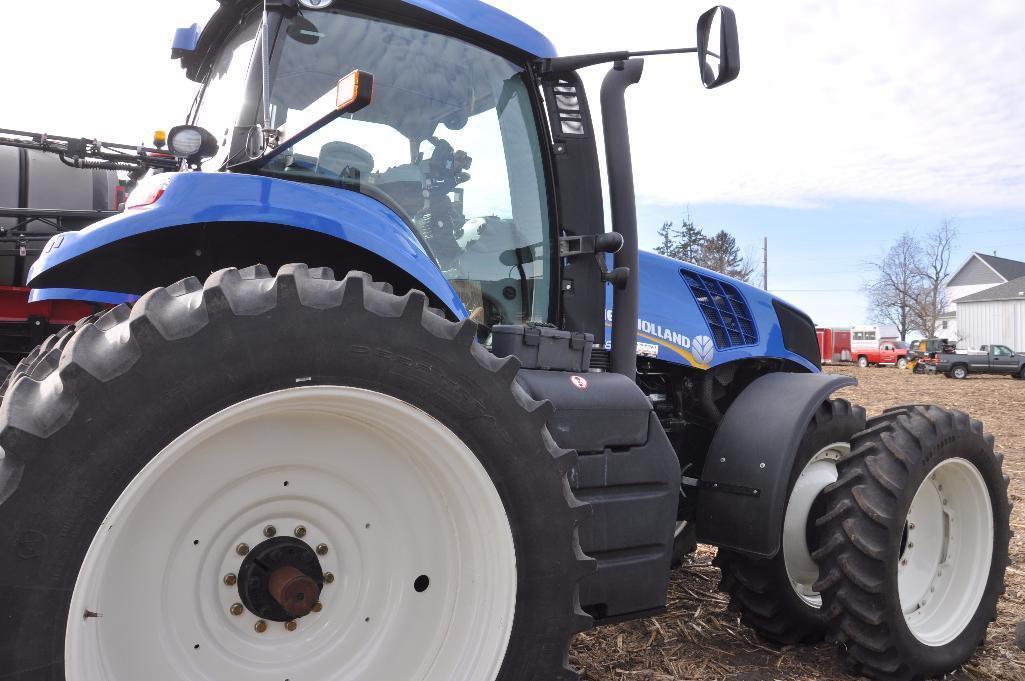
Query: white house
column 995, row 316
column 978, row 274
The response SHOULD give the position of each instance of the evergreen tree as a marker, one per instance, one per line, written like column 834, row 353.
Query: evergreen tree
column 720, row 253
column 690, row 242
column 667, row 240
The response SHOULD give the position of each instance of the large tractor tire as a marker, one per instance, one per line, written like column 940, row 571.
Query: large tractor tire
column 775, row 597
column 913, row 543
column 282, row 478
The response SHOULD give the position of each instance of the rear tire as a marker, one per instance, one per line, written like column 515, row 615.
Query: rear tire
column 863, row 362
column 92, row 430
column 959, row 372
column 761, row 589
column 914, row 543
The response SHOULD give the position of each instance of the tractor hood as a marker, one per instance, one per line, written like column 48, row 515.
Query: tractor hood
column 702, row 319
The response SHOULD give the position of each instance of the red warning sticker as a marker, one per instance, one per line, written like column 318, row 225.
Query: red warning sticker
column 579, row 382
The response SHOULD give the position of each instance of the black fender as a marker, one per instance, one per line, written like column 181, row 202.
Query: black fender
column 742, row 493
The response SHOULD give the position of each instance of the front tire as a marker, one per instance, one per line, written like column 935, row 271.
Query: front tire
column 914, row 543
column 146, row 456
column 775, row 596
column 902, row 363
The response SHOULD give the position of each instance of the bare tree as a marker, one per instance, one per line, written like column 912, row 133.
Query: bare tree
column 933, row 270
column 896, row 285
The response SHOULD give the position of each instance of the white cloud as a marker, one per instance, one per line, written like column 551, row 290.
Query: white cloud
column 919, row 101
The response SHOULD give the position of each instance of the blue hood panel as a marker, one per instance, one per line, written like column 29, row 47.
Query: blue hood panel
column 191, row 198
column 488, row 20
column 671, row 327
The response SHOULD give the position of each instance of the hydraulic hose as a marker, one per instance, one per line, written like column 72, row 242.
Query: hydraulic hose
column 87, row 164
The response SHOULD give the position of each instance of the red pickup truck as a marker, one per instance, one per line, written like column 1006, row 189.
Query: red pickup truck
column 888, row 352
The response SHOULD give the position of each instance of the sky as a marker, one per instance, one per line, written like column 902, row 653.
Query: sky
column 851, row 121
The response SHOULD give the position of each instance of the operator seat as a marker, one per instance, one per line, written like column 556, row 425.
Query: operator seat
column 346, row 161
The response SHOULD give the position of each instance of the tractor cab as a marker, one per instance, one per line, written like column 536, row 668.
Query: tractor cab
column 476, row 136
column 453, row 141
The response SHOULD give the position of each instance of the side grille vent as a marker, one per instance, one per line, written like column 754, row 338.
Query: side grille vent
column 724, row 308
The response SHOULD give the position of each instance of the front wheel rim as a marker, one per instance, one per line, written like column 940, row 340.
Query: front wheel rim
column 415, row 534
column 945, row 563
column 817, row 474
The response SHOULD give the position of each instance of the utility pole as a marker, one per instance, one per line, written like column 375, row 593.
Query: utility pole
column 765, row 265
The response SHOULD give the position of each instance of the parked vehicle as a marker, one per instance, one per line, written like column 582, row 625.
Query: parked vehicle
column 922, row 354
column 930, row 347
column 435, row 467
column 865, row 338
column 834, row 345
column 990, row 359
column 887, row 353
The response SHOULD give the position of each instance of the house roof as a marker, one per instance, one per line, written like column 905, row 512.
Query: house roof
column 1005, row 267
column 1012, row 290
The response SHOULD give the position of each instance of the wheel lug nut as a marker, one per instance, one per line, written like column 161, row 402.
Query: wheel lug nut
column 329, row 577
column 290, row 625
column 260, row 626
column 269, row 531
column 904, row 562
column 230, row 579
column 242, row 549
column 236, row 609
column 300, row 531
column 321, row 549
column 318, row 606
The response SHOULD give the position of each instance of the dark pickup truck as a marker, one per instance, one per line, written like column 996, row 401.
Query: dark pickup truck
column 990, row 359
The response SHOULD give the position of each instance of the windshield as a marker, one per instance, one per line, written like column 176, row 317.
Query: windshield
column 449, row 143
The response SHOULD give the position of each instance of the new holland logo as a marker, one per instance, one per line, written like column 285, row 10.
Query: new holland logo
column 703, row 349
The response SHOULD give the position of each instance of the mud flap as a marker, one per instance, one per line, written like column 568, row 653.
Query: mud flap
column 743, row 488
column 629, row 474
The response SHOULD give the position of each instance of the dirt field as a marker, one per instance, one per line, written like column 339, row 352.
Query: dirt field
column 699, row 639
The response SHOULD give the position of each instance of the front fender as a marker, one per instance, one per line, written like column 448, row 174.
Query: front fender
column 744, row 484
column 113, row 260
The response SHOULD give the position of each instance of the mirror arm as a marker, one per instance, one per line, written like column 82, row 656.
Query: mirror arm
column 580, row 61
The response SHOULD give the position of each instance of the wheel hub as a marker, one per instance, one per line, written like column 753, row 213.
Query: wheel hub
column 945, row 563
column 388, row 513
column 280, row 579
column 817, row 474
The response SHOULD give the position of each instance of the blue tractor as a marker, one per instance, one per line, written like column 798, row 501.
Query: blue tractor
column 475, row 423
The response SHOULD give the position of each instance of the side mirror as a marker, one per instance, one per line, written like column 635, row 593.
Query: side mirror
column 718, row 47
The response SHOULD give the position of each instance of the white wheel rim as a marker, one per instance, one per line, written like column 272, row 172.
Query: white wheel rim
column 388, row 488
column 943, row 571
column 818, row 473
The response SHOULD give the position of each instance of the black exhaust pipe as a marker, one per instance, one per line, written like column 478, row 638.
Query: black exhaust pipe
column 624, row 211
